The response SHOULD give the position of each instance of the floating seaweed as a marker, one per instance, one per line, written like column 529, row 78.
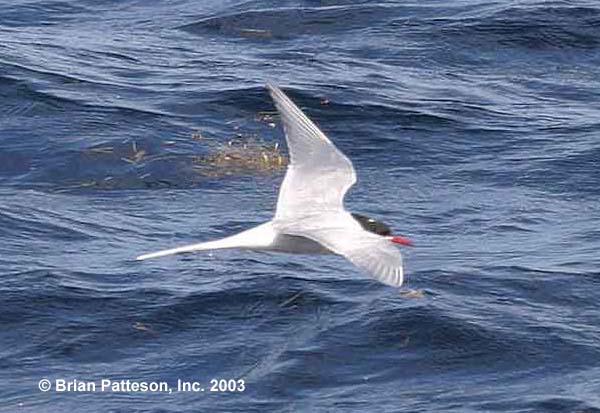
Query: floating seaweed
column 137, row 154
column 101, row 150
column 240, row 155
column 413, row 294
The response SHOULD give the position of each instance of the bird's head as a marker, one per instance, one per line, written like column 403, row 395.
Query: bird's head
column 379, row 228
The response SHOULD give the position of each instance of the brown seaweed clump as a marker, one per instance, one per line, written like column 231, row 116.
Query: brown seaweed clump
column 240, row 155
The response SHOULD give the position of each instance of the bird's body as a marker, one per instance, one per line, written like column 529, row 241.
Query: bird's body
column 310, row 216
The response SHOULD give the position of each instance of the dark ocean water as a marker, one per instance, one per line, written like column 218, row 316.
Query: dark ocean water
column 474, row 127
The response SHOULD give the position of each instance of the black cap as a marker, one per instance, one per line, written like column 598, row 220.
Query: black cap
column 371, row 225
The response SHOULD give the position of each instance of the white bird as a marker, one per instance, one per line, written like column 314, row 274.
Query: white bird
column 310, row 216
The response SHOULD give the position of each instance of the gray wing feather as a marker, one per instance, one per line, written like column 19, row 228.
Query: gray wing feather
column 339, row 233
column 319, row 174
column 372, row 253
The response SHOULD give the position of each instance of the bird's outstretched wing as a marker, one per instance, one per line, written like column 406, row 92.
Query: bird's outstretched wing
column 341, row 234
column 319, row 174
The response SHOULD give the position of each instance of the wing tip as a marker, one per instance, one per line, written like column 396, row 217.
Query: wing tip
column 272, row 87
column 149, row 255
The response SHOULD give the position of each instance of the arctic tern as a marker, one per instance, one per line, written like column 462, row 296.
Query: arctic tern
column 310, row 217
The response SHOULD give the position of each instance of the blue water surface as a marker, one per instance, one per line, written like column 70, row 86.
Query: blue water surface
column 474, row 127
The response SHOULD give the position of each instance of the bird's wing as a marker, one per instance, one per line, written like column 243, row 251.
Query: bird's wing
column 341, row 234
column 319, row 174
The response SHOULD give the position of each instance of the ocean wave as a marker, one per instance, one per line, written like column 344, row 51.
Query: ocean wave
column 42, row 13
column 530, row 27
column 292, row 22
column 33, row 225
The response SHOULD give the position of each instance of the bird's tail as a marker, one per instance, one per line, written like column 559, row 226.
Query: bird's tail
column 202, row 246
column 257, row 237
